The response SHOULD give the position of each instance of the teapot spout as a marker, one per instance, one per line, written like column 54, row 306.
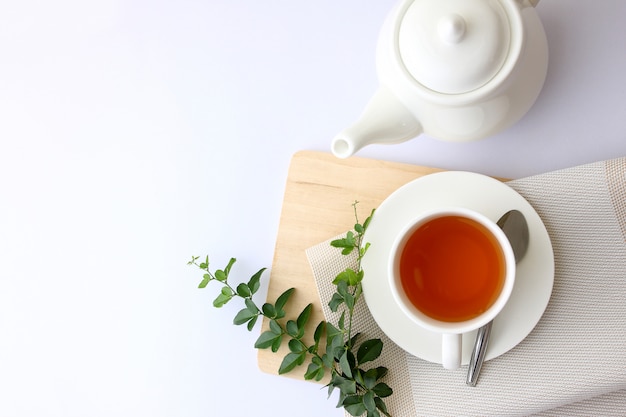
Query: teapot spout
column 385, row 120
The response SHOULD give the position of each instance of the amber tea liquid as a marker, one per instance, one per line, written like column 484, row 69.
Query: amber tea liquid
column 452, row 268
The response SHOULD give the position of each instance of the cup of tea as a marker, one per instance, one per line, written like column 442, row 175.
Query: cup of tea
column 451, row 271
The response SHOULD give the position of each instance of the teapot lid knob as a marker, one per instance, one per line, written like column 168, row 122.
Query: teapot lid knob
column 456, row 46
column 451, row 28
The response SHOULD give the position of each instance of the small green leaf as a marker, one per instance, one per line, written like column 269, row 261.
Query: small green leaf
column 312, row 370
column 349, row 276
column 334, row 338
column 370, row 378
column 359, row 228
column 368, row 401
column 328, row 360
column 367, row 221
column 381, row 371
column 292, row 329
column 337, row 243
column 220, row 300
column 345, row 365
column 276, row 345
column 296, row 346
column 283, row 298
column 220, row 275
column 315, row 370
column 303, row 318
column 349, row 298
column 275, row 327
column 255, row 282
column 331, row 388
column 347, row 251
column 269, row 310
column 290, row 361
column 347, row 242
column 346, row 386
column 342, row 288
column 224, row 297
column 265, row 340
column 251, row 306
column 316, row 360
column 244, row 316
column 252, row 322
column 382, row 390
column 230, row 265
column 369, row 350
column 354, row 405
column 337, row 348
column 338, row 351
column 332, row 330
column 359, row 276
column 342, row 319
column 205, row 280
column 364, row 249
column 358, row 290
column 374, row 413
column 319, row 332
column 243, row 290
column 335, row 302
column 382, row 407
column 358, row 377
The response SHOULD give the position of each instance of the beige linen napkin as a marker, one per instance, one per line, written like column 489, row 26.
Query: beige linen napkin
column 574, row 362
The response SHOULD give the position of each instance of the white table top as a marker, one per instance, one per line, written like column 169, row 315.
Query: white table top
column 135, row 134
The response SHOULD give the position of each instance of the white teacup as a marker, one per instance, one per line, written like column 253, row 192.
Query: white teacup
column 451, row 271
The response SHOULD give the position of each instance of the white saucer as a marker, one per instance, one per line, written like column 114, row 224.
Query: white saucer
column 535, row 272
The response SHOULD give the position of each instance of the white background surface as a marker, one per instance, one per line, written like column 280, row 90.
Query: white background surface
column 134, row 134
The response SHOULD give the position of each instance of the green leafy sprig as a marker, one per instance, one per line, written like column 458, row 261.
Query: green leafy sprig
column 341, row 355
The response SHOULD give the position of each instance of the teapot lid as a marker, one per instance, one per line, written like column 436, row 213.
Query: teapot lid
column 454, row 46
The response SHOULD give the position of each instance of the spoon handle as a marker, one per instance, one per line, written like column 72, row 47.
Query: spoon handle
column 478, row 354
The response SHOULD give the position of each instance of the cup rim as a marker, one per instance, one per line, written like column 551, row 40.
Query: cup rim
column 439, row 326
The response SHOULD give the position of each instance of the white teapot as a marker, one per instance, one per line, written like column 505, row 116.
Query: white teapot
column 457, row 70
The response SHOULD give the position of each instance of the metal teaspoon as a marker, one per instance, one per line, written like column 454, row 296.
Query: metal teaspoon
column 514, row 226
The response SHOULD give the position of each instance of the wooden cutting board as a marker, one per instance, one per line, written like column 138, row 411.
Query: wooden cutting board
column 317, row 206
